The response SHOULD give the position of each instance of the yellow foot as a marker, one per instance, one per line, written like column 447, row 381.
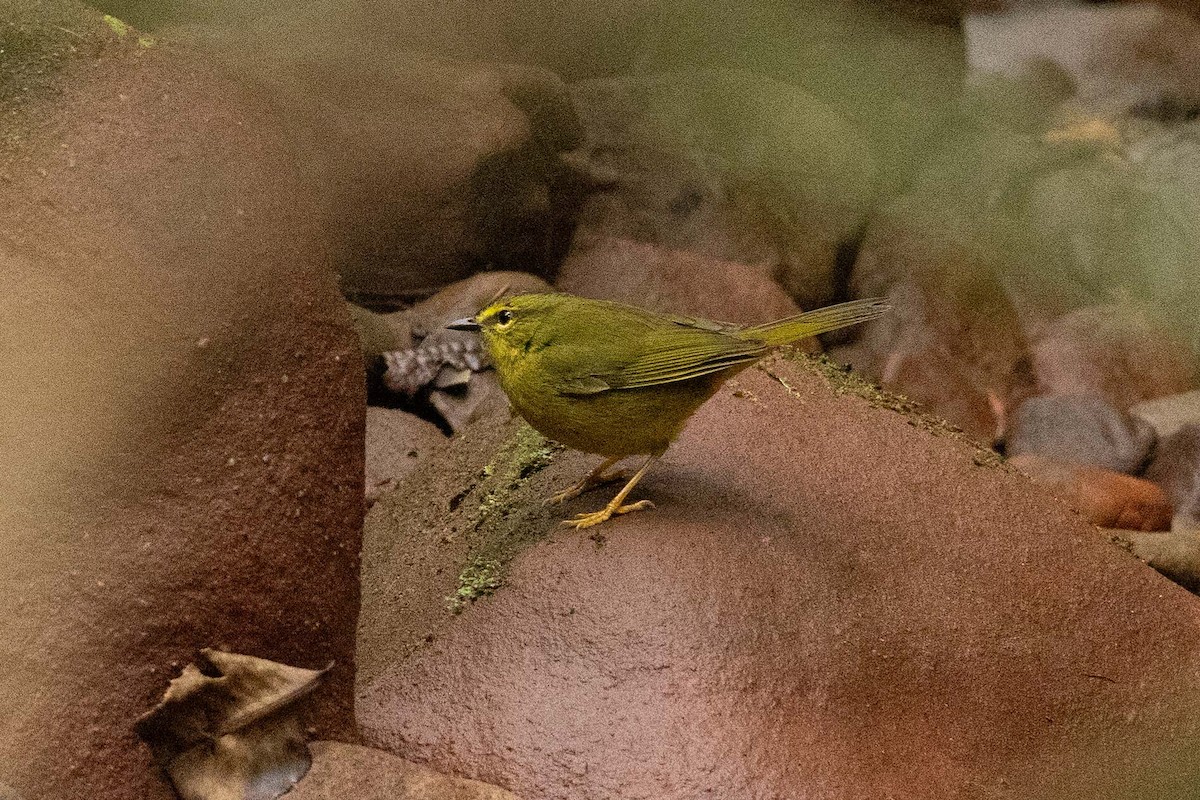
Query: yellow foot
column 582, row 521
column 586, row 485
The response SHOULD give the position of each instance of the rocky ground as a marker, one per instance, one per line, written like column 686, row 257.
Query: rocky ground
column 233, row 235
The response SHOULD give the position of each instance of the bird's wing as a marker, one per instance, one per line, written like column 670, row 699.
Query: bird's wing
column 670, row 353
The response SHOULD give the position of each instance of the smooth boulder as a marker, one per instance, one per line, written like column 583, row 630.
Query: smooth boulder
column 183, row 415
column 830, row 599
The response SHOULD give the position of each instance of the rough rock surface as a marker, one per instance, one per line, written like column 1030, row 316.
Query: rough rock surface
column 397, row 442
column 846, row 607
column 182, row 418
column 350, row 772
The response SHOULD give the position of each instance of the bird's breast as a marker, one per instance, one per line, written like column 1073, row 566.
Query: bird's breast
column 610, row 423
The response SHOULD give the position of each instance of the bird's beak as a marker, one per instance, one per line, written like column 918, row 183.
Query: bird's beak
column 466, row 324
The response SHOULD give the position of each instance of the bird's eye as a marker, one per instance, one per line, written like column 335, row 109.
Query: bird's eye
column 504, row 317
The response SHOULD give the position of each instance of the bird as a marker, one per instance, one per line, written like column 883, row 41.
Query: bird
column 616, row 380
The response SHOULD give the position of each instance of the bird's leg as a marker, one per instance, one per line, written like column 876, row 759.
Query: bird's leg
column 614, row 507
column 590, row 481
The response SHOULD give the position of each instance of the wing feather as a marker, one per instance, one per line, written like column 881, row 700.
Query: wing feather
column 674, row 354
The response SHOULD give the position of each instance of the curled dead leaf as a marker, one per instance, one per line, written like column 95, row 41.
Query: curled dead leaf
column 227, row 728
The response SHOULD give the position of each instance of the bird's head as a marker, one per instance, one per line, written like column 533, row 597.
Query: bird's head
column 512, row 326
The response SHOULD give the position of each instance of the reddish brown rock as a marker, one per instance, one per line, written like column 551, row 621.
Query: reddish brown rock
column 426, row 169
column 828, row 601
column 942, row 385
column 954, row 341
column 396, row 443
column 1105, row 498
column 673, row 281
column 344, row 771
column 1119, row 352
column 183, row 408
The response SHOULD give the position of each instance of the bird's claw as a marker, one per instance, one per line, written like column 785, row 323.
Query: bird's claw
column 581, row 521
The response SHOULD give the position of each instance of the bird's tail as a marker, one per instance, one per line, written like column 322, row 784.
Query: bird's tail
column 820, row 320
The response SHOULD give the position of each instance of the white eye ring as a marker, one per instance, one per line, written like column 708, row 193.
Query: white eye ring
column 504, row 317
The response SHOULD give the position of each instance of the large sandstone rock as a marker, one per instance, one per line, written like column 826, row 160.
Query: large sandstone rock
column 828, row 601
column 427, row 169
column 183, row 413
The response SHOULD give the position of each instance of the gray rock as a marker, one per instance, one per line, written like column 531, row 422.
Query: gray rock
column 1176, row 467
column 1169, row 414
column 1080, row 429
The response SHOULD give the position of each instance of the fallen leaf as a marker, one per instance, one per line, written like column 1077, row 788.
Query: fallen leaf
column 227, row 728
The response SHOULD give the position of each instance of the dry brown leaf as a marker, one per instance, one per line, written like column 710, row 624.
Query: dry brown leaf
column 227, row 728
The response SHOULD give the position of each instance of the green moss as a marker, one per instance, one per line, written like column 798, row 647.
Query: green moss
column 121, row 29
column 478, row 579
column 504, row 518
